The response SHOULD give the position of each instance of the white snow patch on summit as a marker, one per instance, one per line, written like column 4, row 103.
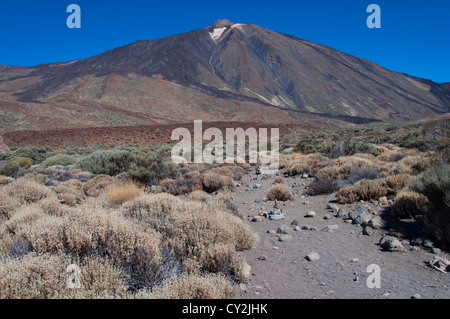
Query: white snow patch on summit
column 237, row 25
column 217, row 33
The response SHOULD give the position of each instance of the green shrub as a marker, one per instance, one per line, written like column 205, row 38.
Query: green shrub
column 145, row 167
column 16, row 167
column 435, row 185
column 348, row 147
column 24, row 162
column 10, row 169
column 59, row 159
column 106, row 162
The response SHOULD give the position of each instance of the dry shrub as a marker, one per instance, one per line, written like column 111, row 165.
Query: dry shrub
column 370, row 189
column 224, row 198
column 215, row 182
column 8, row 205
column 362, row 190
column 340, row 172
column 199, row 195
column 5, row 180
column 341, row 168
column 397, row 182
column 70, row 195
column 322, row 186
column 45, row 276
column 409, row 204
column 279, row 192
column 184, row 186
column 305, row 164
column 193, row 175
column 73, row 183
column 27, row 190
column 94, row 233
column 211, row 286
column 167, row 183
column 120, row 192
column 222, row 170
column 347, row 195
column 97, row 185
column 234, row 172
column 192, row 229
column 279, row 180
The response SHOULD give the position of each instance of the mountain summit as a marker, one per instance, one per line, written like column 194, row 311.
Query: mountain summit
column 225, row 72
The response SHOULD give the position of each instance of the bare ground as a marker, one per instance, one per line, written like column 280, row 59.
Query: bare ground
column 345, row 253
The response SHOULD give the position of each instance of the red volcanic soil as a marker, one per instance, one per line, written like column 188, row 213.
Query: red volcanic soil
column 140, row 135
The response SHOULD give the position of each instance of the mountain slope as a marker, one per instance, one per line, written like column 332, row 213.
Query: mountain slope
column 226, row 72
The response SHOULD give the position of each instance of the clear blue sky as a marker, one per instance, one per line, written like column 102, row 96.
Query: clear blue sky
column 414, row 37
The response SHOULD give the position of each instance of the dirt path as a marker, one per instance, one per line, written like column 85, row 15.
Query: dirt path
column 345, row 253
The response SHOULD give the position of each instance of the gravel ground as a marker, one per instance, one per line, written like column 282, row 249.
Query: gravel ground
column 281, row 271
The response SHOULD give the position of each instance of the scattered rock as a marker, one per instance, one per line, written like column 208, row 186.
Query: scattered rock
column 440, row 263
column 383, row 201
column 276, row 214
column 310, row 214
column 341, row 213
column 368, row 231
column 312, row 257
column 262, row 257
column 327, row 216
column 307, row 227
column 257, row 186
column 428, row 243
column 435, row 251
column 376, row 222
column 391, row 243
column 330, row 228
column 416, row 296
column 271, row 231
column 246, row 270
column 295, row 223
column 257, row 219
column 297, row 228
column 283, row 229
column 285, row 238
column 335, row 208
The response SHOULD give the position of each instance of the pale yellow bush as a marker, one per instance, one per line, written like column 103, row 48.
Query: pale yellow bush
column 27, row 190
column 210, row 286
column 199, row 195
column 118, row 193
column 97, row 185
column 279, row 192
column 5, row 180
column 45, row 276
column 215, row 182
column 191, row 228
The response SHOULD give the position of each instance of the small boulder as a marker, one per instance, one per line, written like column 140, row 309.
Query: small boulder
column 376, row 222
column 283, row 229
column 390, row 243
column 285, row 238
column 368, row 231
column 312, row 257
column 330, row 228
column 310, row 214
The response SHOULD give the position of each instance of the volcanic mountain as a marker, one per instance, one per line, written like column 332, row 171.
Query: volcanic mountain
column 225, row 72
